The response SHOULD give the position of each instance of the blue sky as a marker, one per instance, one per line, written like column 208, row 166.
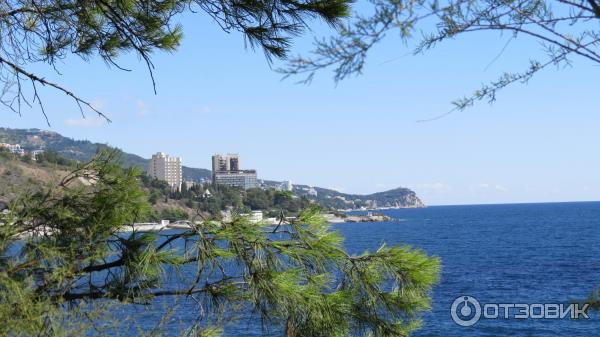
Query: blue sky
column 538, row 142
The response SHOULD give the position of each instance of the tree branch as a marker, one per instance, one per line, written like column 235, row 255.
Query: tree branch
column 595, row 7
column 36, row 79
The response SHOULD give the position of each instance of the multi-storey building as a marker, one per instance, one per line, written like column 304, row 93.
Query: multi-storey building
column 226, row 171
column 221, row 163
column 244, row 179
column 167, row 168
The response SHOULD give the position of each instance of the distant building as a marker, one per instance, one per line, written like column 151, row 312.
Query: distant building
column 244, row 179
column 36, row 153
column 190, row 183
column 254, row 217
column 286, row 186
column 226, row 171
column 221, row 163
column 14, row 148
column 164, row 167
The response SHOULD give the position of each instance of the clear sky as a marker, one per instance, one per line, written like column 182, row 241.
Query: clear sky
column 538, row 142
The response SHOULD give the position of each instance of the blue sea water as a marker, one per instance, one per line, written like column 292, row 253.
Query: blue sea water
column 518, row 253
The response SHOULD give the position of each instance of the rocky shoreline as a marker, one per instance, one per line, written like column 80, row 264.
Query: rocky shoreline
column 341, row 218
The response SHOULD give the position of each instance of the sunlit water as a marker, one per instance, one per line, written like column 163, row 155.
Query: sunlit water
column 525, row 253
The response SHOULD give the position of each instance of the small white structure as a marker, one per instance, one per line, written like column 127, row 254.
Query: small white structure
column 286, row 186
column 36, row 153
column 254, row 216
column 143, row 227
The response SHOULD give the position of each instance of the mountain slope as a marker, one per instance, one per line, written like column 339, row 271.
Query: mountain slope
column 33, row 139
column 396, row 198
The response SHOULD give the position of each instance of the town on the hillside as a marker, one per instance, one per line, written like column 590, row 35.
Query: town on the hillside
column 176, row 192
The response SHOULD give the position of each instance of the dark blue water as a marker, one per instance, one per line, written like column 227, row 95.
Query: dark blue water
column 523, row 253
column 526, row 253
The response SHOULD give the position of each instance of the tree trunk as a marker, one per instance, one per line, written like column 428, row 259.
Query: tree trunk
column 289, row 328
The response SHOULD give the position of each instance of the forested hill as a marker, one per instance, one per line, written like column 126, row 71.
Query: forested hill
column 396, row 198
column 34, row 139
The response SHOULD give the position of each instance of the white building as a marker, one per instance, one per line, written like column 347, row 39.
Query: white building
column 254, row 216
column 14, row 148
column 36, row 153
column 226, row 171
column 287, row 186
column 245, row 179
column 190, row 183
column 167, row 168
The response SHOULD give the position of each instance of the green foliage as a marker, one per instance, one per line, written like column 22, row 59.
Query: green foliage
column 256, row 199
column 174, row 214
column 46, row 31
column 274, row 201
column 6, row 154
column 63, row 247
column 58, row 234
column 51, row 157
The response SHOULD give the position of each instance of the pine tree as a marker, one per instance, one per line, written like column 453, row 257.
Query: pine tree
column 65, row 261
column 42, row 32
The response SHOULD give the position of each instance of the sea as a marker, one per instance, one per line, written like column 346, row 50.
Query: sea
column 521, row 254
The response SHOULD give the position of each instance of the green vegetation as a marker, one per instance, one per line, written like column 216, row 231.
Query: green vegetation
column 65, row 266
column 194, row 202
column 41, row 33
column 21, row 172
column 81, row 150
column 223, row 198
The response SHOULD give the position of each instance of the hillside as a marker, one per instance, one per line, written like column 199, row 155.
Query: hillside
column 33, row 139
column 17, row 176
column 396, row 198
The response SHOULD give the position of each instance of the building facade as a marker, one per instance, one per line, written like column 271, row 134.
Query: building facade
column 14, row 148
column 221, row 163
column 226, row 171
column 286, row 186
column 167, row 168
column 243, row 179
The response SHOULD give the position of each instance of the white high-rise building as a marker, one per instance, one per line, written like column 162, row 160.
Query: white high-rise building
column 286, row 186
column 167, row 168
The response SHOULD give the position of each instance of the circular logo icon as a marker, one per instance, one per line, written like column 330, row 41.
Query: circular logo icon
column 465, row 310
